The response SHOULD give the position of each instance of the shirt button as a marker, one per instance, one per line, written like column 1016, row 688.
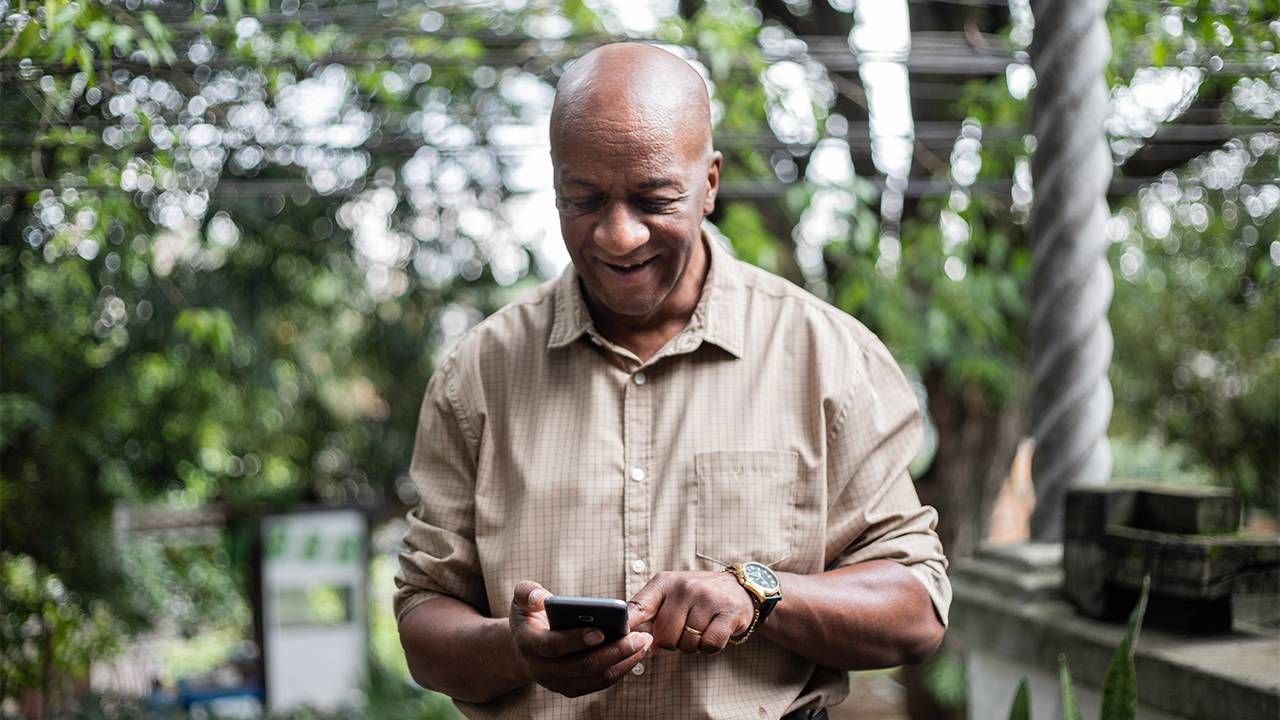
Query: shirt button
column 640, row 378
column 637, row 567
column 637, row 473
column 637, row 669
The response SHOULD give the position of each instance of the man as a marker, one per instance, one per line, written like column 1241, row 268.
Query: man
column 661, row 411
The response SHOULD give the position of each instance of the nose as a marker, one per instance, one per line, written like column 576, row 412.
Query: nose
column 619, row 231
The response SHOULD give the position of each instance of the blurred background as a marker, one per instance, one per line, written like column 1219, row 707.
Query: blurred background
column 236, row 235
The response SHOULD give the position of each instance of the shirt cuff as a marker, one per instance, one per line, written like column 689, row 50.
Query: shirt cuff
column 937, row 585
column 408, row 599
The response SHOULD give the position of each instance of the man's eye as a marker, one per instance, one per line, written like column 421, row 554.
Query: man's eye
column 655, row 204
column 583, row 204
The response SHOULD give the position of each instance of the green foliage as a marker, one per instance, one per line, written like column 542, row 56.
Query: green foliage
column 945, row 679
column 1195, row 314
column 1119, row 687
column 49, row 634
column 1070, row 710
column 82, row 33
column 1021, row 708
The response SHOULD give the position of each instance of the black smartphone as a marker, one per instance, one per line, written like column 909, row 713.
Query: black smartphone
column 566, row 612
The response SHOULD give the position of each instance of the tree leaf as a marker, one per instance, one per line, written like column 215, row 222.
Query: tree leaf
column 84, row 55
column 154, row 27
column 28, row 40
column 51, row 14
column 1021, row 709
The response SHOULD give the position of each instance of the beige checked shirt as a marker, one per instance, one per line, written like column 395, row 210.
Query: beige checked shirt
column 773, row 428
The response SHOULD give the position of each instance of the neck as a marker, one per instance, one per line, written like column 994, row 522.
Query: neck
column 646, row 335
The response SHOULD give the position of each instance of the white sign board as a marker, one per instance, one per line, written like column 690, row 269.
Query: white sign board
column 314, row 607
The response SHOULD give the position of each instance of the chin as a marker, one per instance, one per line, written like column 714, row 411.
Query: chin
column 632, row 306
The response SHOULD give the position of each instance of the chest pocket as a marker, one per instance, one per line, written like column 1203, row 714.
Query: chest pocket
column 746, row 504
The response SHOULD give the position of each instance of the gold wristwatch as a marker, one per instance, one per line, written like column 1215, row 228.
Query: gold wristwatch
column 763, row 587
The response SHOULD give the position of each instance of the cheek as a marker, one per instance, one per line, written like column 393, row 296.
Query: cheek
column 678, row 232
column 574, row 231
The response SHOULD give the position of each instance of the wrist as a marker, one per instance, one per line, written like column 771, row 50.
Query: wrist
column 513, row 670
column 763, row 588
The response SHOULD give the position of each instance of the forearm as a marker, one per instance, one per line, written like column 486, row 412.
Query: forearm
column 455, row 650
column 870, row 615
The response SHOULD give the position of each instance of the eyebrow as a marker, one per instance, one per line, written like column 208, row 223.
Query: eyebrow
column 649, row 184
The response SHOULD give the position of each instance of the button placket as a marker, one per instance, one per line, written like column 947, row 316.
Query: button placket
column 637, row 424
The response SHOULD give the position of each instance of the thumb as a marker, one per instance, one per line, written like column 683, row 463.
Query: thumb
column 530, row 596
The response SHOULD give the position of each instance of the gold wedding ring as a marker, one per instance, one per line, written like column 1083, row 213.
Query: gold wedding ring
column 691, row 631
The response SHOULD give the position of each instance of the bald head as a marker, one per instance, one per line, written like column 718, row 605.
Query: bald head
column 634, row 87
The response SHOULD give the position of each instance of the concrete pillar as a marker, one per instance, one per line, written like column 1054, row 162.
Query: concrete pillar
column 1071, row 283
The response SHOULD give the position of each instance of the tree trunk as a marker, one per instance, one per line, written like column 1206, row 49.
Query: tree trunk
column 977, row 439
column 976, row 443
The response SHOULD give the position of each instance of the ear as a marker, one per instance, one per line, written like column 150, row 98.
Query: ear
column 713, row 183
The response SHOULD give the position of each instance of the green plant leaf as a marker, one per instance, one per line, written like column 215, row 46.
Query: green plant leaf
column 1120, row 687
column 1070, row 711
column 1021, row 709
column 84, row 55
column 153, row 25
column 1134, row 626
column 945, row 679
column 28, row 39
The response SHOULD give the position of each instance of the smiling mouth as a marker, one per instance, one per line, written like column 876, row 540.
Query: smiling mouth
column 630, row 269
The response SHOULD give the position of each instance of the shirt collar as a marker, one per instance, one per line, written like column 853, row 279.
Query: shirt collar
column 718, row 318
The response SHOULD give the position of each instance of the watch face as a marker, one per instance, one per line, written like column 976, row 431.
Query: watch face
column 760, row 576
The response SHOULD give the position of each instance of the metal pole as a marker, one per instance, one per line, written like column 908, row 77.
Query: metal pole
column 1071, row 283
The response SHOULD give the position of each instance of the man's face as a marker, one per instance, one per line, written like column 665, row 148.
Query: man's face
column 631, row 197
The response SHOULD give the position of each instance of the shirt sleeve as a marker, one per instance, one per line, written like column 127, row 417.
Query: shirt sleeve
column 874, row 512
column 439, row 555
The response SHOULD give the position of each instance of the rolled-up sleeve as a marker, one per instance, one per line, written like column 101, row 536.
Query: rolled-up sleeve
column 439, row 553
column 874, row 512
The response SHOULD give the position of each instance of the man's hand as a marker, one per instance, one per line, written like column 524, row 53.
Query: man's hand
column 694, row 611
column 568, row 662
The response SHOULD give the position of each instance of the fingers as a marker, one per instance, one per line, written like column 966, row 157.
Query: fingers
column 619, row 670
column 529, row 597
column 669, row 626
column 691, row 632
column 601, row 669
column 643, row 606
column 558, row 643
column 716, row 637
column 600, row 662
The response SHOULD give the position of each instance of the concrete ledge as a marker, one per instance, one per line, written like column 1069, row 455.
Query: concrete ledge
column 1235, row 676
